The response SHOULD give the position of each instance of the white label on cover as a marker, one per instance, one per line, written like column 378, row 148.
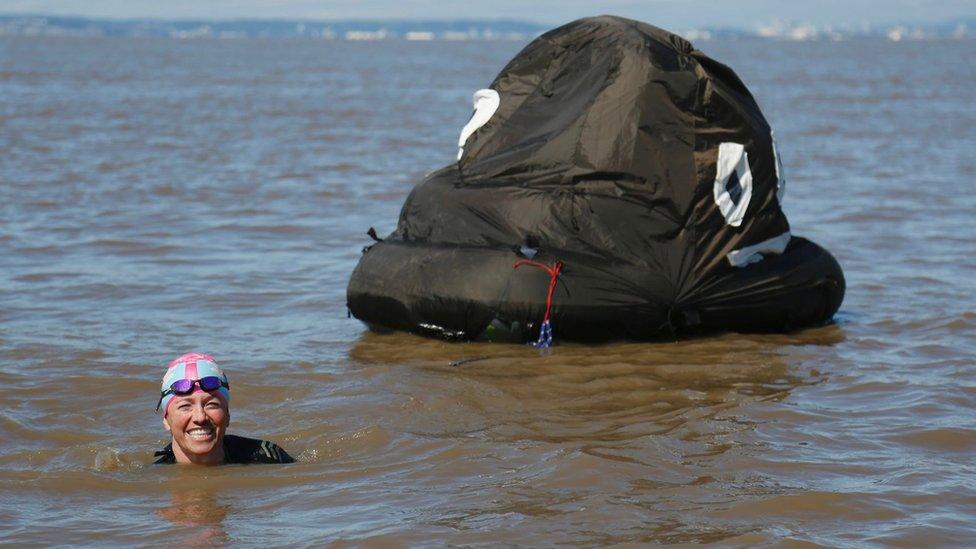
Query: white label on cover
column 754, row 254
column 780, row 180
column 733, row 182
column 485, row 104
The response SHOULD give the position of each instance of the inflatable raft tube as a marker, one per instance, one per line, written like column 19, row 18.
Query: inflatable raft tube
column 476, row 293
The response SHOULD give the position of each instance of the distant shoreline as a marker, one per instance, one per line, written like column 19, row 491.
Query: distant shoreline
column 430, row 30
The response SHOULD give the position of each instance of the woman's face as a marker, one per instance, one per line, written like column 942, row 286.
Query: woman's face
column 198, row 423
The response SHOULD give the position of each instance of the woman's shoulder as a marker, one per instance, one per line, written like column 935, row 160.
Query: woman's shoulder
column 238, row 449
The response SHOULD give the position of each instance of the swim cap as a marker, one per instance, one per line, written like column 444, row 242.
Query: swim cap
column 193, row 366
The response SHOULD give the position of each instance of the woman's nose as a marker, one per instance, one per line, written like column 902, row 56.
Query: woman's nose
column 199, row 416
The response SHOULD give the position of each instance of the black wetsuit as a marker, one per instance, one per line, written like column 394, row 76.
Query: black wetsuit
column 238, row 450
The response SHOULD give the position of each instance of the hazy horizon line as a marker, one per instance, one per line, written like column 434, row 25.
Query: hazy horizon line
column 526, row 21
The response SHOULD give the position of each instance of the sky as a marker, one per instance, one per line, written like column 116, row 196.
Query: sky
column 668, row 13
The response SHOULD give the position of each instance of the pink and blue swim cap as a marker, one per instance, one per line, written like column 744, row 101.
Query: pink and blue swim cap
column 193, row 366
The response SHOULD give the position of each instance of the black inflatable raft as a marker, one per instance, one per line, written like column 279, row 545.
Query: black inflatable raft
column 614, row 178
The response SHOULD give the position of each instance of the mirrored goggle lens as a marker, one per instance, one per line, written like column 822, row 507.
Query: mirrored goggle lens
column 185, row 386
column 210, row 383
column 182, row 386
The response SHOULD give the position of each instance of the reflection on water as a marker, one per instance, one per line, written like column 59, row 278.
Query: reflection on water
column 197, row 515
column 214, row 196
column 619, row 393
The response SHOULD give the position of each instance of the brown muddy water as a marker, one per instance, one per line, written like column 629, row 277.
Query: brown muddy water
column 161, row 196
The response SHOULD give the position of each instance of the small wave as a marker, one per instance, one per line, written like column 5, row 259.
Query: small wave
column 946, row 439
column 45, row 277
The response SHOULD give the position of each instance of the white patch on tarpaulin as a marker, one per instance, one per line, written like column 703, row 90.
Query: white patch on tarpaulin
column 753, row 254
column 485, row 102
column 732, row 159
column 780, row 180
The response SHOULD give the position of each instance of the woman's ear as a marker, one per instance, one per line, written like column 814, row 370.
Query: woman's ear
column 166, row 425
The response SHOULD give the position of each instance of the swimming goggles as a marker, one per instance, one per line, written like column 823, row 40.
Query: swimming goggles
column 182, row 387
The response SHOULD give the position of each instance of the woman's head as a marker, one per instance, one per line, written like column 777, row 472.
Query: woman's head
column 195, row 399
column 191, row 373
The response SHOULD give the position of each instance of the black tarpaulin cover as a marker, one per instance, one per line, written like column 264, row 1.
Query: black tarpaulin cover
column 642, row 165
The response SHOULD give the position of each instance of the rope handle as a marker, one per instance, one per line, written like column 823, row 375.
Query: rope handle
column 545, row 332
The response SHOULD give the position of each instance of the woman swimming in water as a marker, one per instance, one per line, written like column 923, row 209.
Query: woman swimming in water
column 195, row 399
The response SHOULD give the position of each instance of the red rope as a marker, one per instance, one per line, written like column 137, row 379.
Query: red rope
column 553, row 271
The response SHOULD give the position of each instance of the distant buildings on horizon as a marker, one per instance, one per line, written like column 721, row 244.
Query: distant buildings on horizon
column 19, row 25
